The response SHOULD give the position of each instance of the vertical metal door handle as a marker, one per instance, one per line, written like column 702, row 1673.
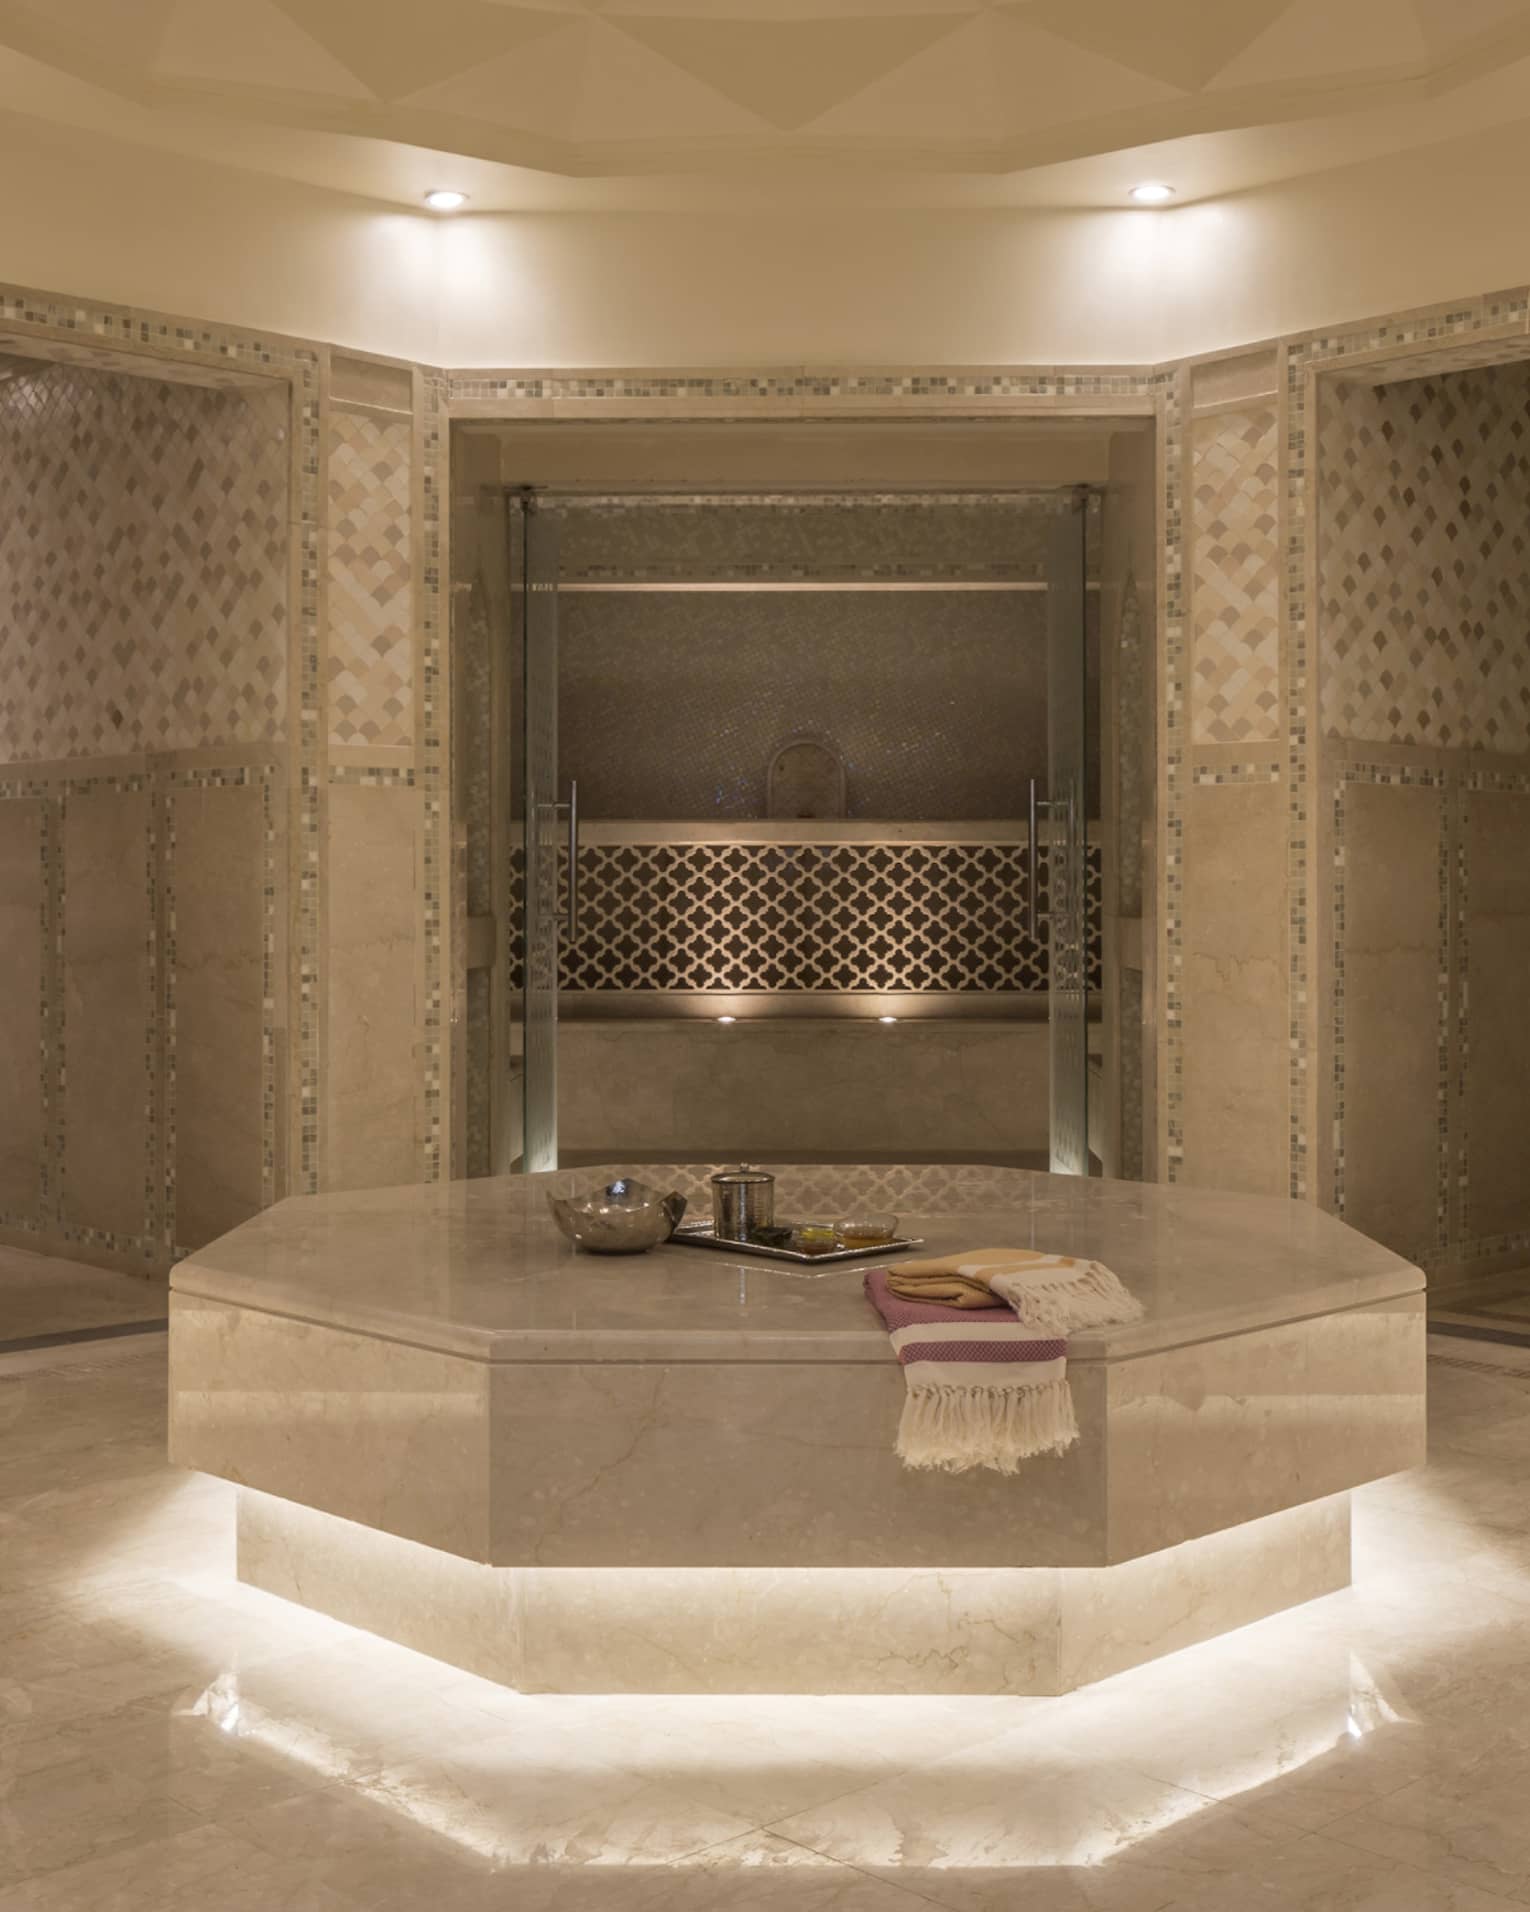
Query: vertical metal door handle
column 573, row 861
column 1033, row 864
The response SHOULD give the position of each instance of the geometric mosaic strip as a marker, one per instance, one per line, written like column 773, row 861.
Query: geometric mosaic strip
column 1235, row 685
column 371, row 588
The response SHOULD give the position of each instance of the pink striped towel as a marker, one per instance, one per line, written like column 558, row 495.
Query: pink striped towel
column 983, row 1389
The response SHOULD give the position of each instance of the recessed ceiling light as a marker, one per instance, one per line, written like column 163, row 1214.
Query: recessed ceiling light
column 727, row 1018
column 887, row 1018
column 1152, row 193
column 445, row 199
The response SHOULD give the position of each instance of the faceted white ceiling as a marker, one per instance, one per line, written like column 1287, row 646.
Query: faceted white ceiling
column 627, row 87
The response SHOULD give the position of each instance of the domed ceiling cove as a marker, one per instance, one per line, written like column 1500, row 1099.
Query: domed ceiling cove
column 625, row 87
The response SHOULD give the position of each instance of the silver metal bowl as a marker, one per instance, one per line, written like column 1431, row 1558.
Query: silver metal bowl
column 623, row 1218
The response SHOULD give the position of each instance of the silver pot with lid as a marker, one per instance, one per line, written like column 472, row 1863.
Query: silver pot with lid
column 743, row 1199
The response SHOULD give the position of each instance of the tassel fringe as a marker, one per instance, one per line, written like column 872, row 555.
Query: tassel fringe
column 955, row 1429
column 1091, row 1297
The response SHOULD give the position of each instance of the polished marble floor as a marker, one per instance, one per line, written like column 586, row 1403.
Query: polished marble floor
column 170, row 1740
column 43, row 1295
column 1496, row 1310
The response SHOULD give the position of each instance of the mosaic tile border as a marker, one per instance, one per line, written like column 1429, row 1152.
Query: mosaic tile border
column 777, row 390
column 434, row 697
column 1210, row 776
column 1174, row 719
column 1394, row 776
column 359, row 776
column 1491, row 1247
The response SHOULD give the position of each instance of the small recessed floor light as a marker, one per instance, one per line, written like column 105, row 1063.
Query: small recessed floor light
column 1153, row 193
column 445, row 199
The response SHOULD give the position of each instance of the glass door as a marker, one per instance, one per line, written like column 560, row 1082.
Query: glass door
column 802, row 727
column 534, row 548
column 1067, row 818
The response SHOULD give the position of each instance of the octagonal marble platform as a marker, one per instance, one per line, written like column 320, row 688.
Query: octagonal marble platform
column 676, row 1472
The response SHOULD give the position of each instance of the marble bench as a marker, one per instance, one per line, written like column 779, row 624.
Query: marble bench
column 675, row 1472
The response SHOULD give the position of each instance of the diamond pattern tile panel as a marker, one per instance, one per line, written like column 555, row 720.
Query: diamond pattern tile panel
column 1235, row 475
column 1424, row 560
column 840, row 917
column 143, row 565
column 371, row 582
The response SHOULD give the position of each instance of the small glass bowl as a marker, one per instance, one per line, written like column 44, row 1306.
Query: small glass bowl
column 865, row 1231
column 815, row 1238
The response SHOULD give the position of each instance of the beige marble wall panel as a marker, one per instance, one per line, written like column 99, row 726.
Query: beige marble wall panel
column 770, row 1087
column 1497, row 971
column 615, row 1482
column 21, row 964
column 392, row 1436
column 1217, row 1432
column 1234, row 990
column 373, row 917
column 217, row 877
column 108, row 1012
column 1391, row 1116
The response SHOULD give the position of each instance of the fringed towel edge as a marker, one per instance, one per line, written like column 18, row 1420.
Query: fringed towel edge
column 957, row 1428
column 1091, row 1296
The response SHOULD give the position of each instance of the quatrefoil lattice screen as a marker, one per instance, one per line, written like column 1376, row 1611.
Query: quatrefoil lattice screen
column 943, row 918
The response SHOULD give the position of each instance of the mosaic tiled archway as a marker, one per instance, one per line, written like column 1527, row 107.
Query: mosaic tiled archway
column 389, row 517
column 1410, row 437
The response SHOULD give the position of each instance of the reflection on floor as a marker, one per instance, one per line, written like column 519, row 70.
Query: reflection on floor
column 170, row 1741
column 1497, row 1311
column 44, row 1298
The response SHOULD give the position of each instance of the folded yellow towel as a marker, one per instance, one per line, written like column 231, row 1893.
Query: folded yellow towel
column 1060, row 1291
column 942, row 1289
column 959, row 1281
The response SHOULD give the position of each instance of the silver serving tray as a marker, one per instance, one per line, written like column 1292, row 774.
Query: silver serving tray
column 703, row 1235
